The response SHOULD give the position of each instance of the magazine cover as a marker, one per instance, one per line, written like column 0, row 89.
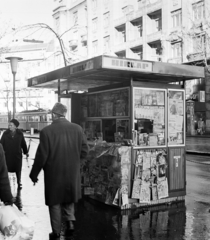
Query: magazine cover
column 136, row 189
column 145, row 195
column 162, row 189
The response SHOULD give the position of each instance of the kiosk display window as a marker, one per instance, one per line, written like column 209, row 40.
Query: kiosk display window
column 112, row 103
column 92, row 129
column 149, row 117
column 176, row 112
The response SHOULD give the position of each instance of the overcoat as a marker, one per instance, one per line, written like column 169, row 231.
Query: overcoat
column 62, row 145
column 5, row 190
column 13, row 148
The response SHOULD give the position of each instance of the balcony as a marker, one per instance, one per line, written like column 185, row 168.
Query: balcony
column 73, row 43
column 59, row 6
column 154, row 36
column 75, row 3
column 156, row 58
column 136, row 42
column 177, row 60
column 84, row 38
column 120, row 21
column 119, row 47
column 154, row 5
column 195, row 56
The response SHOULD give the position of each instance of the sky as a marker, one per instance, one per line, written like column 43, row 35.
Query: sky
column 16, row 13
column 26, row 12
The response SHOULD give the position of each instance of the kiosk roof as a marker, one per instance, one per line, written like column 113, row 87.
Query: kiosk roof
column 106, row 70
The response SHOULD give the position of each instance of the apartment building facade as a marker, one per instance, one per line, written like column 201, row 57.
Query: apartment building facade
column 33, row 63
column 174, row 31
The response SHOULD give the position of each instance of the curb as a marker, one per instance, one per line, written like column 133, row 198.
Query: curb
column 198, row 153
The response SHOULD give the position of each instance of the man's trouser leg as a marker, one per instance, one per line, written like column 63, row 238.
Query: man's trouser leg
column 68, row 211
column 18, row 175
column 56, row 215
column 56, row 218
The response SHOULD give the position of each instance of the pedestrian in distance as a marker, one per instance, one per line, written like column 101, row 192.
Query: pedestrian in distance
column 5, row 190
column 61, row 148
column 14, row 145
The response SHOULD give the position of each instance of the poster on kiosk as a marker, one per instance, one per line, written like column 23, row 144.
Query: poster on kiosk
column 176, row 120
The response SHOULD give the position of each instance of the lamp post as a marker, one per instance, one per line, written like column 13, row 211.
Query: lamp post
column 14, row 63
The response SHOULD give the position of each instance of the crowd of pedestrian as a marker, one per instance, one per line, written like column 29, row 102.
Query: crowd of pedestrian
column 62, row 146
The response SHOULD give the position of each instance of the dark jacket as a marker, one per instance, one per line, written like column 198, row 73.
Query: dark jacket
column 62, row 145
column 5, row 191
column 13, row 147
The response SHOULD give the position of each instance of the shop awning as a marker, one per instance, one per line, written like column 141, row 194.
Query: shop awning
column 107, row 70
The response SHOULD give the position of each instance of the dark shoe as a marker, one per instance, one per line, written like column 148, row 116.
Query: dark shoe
column 69, row 228
column 54, row 236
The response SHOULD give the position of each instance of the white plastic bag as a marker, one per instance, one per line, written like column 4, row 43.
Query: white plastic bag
column 13, row 183
column 14, row 224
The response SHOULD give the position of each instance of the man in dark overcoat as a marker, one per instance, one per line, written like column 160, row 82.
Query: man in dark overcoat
column 14, row 145
column 5, row 190
column 62, row 145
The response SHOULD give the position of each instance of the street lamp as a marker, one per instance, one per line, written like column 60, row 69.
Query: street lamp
column 14, row 63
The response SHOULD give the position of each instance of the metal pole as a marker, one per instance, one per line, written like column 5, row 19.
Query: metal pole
column 14, row 99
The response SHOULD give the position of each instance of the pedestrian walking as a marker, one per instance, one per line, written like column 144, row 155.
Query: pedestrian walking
column 14, row 145
column 5, row 190
column 62, row 146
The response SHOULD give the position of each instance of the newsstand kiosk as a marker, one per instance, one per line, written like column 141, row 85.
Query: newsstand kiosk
column 134, row 120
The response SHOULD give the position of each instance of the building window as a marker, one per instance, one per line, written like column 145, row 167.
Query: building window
column 176, row 18
column 199, row 43
column 176, row 49
column 121, row 33
column 95, row 23
column 156, row 50
column 106, row 44
column 75, row 18
column 95, row 47
column 121, row 54
column 198, row 10
column 137, row 52
column 94, row 4
column 106, row 19
column 137, row 28
column 156, row 20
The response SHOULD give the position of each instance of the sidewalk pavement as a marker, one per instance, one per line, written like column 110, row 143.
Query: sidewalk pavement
column 198, row 145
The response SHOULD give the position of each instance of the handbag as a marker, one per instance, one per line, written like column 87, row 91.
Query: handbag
column 14, row 224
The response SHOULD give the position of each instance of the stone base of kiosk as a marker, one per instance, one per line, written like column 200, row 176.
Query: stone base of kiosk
column 132, row 204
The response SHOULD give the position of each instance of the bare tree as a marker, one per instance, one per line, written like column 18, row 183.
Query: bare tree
column 195, row 37
column 39, row 26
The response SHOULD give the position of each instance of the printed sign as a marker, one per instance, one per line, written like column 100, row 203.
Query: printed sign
column 88, row 65
column 130, row 65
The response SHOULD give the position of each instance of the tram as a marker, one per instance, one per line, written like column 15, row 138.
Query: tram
column 36, row 119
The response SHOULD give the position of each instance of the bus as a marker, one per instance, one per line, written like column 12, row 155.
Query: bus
column 36, row 119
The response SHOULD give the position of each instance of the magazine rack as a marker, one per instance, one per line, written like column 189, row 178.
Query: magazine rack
column 151, row 118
